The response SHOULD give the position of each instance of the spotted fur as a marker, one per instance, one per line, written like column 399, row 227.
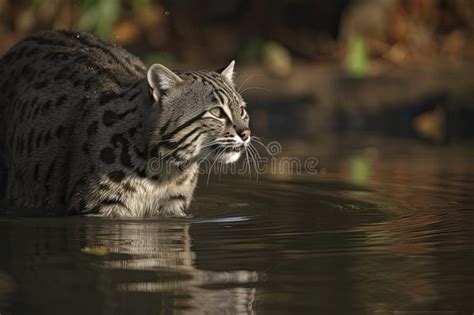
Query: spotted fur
column 85, row 125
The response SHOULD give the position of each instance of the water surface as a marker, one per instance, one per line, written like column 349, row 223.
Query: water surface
column 379, row 226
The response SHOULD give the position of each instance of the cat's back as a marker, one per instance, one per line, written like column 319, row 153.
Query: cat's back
column 47, row 83
column 74, row 61
column 51, row 75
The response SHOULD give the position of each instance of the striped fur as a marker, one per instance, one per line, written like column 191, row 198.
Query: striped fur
column 88, row 128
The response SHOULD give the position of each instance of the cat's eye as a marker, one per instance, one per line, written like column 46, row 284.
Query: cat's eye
column 243, row 113
column 218, row 112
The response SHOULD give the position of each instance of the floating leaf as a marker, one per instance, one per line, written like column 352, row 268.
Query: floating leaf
column 97, row 251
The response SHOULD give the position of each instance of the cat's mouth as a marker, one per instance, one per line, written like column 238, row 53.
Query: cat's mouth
column 232, row 154
column 239, row 149
column 231, row 157
column 228, row 153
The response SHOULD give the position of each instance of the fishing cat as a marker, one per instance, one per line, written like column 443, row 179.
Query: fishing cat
column 85, row 126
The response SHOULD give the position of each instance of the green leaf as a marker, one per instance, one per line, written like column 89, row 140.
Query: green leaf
column 357, row 57
column 100, row 16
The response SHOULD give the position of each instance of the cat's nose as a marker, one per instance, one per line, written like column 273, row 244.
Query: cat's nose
column 245, row 134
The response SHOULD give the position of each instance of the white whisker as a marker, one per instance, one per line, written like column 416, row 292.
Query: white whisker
column 248, row 164
column 212, row 166
column 260, row 143
column 256, row 88
column 248, row 78
column 254, row 163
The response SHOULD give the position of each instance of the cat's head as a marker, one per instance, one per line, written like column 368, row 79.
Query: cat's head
column 199, row 114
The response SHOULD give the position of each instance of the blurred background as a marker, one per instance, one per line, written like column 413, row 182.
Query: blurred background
column 380, row 91
column 397, row 67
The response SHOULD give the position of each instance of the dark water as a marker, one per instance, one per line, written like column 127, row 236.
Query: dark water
column 379, row 226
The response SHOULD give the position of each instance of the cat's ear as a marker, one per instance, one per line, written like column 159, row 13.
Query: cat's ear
column 161, row 79
column 228, row 72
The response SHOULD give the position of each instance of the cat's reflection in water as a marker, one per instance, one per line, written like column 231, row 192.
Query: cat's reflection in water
column 162, row 251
